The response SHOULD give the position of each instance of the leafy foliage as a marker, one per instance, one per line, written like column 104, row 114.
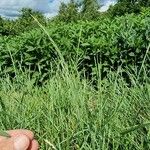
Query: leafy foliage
column 123, row 8
column 122, row 42
column 90, row 9
column 74, row 11
column 7, row 27
column 26, row 20
column 128, row 6
column 68, row 12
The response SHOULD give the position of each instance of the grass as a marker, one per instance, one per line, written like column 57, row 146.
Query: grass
column 67, row 113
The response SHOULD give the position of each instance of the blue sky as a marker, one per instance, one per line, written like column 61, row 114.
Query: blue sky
column 10, row 8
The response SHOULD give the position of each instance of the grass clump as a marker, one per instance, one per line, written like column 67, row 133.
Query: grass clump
column 68, row 113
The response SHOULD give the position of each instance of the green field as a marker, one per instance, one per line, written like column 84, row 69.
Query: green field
column 71, row 114
column 79, row 86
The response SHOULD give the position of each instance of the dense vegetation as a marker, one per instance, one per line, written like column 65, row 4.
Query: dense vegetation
column 121, row 42
column 80, row 80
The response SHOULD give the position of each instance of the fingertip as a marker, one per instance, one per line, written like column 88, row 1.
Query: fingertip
column 34, row 145
column 28, row 133
column 21, row 142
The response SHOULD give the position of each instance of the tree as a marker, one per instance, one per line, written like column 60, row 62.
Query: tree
column 7, row 27
column 27, row 21
column 72, row 11
column 62, row 12
column 1, row 24
column 141, row 2
column 136, row 3
column 125, row 7
column 1, row 21
column 68, row 12
column 144, row 3
column 90, row 9
column 128, row 6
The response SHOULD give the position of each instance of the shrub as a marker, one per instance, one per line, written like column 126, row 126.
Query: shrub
column 122, row 42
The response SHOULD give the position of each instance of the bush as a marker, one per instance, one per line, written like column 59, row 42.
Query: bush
column 122, row 42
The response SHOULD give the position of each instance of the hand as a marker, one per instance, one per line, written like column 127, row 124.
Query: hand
column 19, row 140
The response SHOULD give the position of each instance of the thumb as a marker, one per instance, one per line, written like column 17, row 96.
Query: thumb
column 20, row 142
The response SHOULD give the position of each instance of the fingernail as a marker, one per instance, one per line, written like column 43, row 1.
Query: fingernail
column 21, row 142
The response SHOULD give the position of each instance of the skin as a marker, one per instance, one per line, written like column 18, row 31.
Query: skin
column 27, row 140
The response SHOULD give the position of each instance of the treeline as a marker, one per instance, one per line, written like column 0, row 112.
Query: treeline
column 24, row 22
column 71, row 12
column 90, row 9
column 128, row 6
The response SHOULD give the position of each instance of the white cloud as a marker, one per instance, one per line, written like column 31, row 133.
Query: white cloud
column 107, row 4
column 50, row 15
column 11, row 7
column 54, row 7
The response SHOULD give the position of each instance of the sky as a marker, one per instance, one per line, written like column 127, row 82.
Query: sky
column 10, row 8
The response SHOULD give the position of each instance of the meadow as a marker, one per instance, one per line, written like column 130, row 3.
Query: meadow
column 83, row 85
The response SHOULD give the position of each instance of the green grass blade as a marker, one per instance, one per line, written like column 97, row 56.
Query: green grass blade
column 134, row 128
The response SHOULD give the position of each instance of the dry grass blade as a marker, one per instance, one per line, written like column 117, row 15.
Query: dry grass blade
column 50, row 144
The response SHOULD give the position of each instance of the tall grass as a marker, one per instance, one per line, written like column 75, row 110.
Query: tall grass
column 68, row 113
